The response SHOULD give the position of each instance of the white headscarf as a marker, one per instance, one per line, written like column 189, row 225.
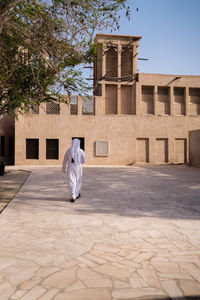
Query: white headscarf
column 75, row 151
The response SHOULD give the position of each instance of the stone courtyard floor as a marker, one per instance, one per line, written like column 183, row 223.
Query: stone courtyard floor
column 133, row 234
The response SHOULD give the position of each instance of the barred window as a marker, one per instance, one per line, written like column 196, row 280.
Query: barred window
column 147, row 90
column 52, row 108
column 164, row 91
column 178, row 91
column 88, row 105
column 194, row 92
column 52, row 148
column 74, row 105
column 32, row 148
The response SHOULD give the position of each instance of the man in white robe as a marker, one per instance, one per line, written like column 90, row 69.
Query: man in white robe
column 75, row 157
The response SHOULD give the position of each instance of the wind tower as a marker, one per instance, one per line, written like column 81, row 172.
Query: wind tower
column 116, row 73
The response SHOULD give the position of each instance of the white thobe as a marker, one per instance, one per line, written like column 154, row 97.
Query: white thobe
column 74, row 172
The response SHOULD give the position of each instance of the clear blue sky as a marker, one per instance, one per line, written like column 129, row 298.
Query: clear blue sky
column 170, row 31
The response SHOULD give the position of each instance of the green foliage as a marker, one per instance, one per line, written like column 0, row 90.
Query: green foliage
column 42, row 42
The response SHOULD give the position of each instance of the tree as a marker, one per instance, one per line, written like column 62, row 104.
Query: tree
column 42, row 42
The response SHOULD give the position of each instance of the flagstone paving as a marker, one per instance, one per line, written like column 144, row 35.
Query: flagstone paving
column 133, row 234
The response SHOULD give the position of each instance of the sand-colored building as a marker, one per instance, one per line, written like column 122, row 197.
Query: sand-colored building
column 133, row 117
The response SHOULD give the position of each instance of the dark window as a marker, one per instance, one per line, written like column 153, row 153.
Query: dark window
column 88, row 105
column 82, row 140
column 73, row 105
column 178, row 91
column 111, row 63
column 52, row 108
column 195, row 92
column 52, row 148
column 147, row 90
column 163, row 91
column 11, row 146
column 126, row 62
column 32, row 148
column 2, row 145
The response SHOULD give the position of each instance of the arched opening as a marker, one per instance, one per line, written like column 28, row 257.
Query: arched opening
column 126, row 61
column 111, row 63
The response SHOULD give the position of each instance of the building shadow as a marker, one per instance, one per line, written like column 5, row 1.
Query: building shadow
column 156, row 191
column 169, row 192
column 194, row 148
